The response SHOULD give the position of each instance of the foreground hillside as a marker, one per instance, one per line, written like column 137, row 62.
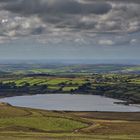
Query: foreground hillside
column 31, row 124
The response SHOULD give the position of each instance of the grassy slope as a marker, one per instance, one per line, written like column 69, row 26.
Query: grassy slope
column 30, row 124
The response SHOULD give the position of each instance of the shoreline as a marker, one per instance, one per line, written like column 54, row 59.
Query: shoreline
column 65, row 111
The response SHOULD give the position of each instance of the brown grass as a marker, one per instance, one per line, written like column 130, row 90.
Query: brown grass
column 100, row 125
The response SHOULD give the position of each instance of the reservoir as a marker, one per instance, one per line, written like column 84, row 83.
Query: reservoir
column 69, row 102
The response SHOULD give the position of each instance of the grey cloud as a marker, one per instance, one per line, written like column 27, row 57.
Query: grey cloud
column 8, row 1
column 60, row 13
column 57, row 7
column 69, row 17
column 38, row 31
column 105, row 42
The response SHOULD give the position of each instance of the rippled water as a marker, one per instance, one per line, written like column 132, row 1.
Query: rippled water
column 69, row 102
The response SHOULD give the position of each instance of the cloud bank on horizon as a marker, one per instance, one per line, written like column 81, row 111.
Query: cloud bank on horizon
column 94, row 22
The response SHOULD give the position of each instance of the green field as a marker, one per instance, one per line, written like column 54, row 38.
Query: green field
column 62, row 69
column 114, row 85
column 31, row 124
column 53, row 83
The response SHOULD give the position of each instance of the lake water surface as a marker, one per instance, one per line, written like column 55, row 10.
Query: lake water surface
column 69, row 102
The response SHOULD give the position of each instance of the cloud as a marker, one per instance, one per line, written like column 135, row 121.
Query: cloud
column 3, row 39
column 134, row 41
column 57, row 7
column 20, row 26
column 106, row 42
column 68, row 18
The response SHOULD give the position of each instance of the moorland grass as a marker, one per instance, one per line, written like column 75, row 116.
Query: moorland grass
column 42, row 123
column 31, row 124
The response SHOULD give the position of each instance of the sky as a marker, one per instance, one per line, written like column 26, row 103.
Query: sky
column 69, row 29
